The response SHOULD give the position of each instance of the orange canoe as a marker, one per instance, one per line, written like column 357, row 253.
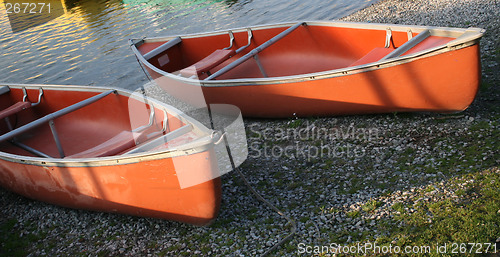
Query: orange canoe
column 320, row 68
column 107, row 150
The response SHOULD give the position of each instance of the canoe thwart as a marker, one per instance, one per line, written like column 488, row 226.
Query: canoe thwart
column 255, row 51
column 162, row 48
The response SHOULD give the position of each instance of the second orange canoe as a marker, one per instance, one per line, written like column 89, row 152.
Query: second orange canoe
column 320, row 68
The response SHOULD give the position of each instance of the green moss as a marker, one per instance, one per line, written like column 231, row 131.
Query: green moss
column 295, row 123
column 371, row 205
column 353, row 214
column 399, row 206
column 12, row 243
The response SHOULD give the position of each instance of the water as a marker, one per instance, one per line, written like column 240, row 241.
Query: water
column 87, row 45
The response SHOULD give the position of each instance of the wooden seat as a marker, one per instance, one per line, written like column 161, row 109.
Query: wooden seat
column 13, row 109
column 374, row 55
column 207, row 63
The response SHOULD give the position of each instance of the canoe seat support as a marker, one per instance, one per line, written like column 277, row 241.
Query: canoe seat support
column 162, row 48
column 408, row 45
column 231, row 40
column 255, row 51
column 250, row 36
column 29, row 149
column 388, row 36
column 261, row 67
column 384, row 53
column 19, row 106
column 409, row 33
column 49, row 118
column 216, row 58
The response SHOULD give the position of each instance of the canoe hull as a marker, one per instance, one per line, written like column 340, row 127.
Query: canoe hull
column 310, row 75
column 146, row 189
column 144, row 183
column 447, row 82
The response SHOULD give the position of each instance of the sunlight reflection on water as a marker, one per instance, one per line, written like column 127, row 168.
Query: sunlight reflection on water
column 88, row 44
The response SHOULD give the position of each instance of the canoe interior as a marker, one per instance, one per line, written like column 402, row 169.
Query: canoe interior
column 308, row 49
column 80, row 130
column 147, row 184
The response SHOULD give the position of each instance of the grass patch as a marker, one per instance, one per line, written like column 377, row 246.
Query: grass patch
column 371, row 205
column 353, row 214
column 472, row 218
column 12, row 242
column 295, row 123
column 399, row 206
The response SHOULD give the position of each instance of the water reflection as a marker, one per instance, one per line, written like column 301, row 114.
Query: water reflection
column 87, row 45
column 23, row 15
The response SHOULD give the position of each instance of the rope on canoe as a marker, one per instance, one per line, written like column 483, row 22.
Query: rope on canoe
column 143, row 70
column 260, row 198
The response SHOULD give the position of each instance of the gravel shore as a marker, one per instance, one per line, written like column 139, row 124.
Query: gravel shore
column 378, row 162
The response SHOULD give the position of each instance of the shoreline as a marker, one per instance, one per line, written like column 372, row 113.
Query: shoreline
column 339, row 200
